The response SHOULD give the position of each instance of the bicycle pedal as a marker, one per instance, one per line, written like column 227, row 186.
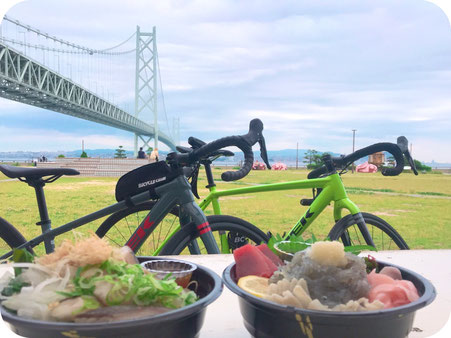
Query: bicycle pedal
column 307, row 201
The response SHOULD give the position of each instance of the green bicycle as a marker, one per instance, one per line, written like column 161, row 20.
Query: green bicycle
column 356, row 228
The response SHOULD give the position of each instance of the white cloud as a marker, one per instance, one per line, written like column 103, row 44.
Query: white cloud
column 312, row 71
column 9, row 107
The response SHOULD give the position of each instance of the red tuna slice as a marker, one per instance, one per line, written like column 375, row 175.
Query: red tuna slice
column 271, row 255
column 251, row 261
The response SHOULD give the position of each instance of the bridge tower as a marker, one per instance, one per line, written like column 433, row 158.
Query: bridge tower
column 146, row 95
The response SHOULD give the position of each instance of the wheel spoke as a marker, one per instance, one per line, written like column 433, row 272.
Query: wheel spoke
column 357, row 234
column 127, row 221
column 112, row 240
column 128, row 225
column 385, row 237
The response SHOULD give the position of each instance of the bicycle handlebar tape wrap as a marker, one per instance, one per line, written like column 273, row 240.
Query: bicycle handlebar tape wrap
column 403, row 144
column 347, row 160
column 244, row 142
column 317, row 172
column 384, row 146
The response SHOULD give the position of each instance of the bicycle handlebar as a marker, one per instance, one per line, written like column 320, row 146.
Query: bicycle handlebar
column 344, row 161
column 243, row 142
column 389, row 147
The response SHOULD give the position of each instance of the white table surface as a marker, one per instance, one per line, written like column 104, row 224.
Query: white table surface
column 223, row 318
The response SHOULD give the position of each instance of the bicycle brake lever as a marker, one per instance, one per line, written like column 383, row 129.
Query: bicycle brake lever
column 193, row 183
column 263, row 152
column 411, row 162
column 403, row 144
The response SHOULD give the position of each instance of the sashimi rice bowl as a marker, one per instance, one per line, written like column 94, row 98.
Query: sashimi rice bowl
column 324, row 292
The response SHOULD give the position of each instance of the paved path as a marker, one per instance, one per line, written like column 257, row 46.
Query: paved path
column 350, row 190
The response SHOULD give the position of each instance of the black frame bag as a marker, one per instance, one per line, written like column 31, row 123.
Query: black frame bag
column 145, row 178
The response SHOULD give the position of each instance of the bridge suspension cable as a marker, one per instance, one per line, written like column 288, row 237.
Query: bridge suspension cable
column 68, row 43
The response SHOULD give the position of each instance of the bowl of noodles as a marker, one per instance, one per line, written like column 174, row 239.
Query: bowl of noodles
column 286, row 312
column 108, row 297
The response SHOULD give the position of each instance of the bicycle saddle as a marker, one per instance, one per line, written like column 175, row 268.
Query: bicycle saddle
column 16, row 172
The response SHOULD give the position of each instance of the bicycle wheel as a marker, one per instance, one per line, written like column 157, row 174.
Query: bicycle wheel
column 238, row 231
column 385, row 237
column 118, row 228
column 10, row 237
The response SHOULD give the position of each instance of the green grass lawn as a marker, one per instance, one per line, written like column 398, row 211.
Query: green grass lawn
column 417, row 206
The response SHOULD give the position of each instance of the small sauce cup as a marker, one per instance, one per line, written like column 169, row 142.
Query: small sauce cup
column 182, row 271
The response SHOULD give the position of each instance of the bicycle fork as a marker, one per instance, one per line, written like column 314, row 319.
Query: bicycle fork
column 178, row 191
column 358, row 219
column 203, row 227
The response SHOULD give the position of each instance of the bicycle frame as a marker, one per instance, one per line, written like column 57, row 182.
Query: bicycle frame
column 332, row 187
column 175, row 192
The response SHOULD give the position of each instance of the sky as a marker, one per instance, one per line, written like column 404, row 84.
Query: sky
column 312, row 71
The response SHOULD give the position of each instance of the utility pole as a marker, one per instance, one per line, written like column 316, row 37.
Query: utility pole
column 353, row 147
column 297, row 154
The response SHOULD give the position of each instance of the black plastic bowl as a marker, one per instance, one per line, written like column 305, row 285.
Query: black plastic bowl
column 184, row 322
column 263, row 318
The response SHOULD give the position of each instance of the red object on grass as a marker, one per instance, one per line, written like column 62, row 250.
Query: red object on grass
column 271, row 255
column 251, row 261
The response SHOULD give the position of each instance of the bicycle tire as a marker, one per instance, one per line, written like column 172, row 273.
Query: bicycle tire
column 117, row 229
column 179, row 242
column 341, row 230
column 10, row 237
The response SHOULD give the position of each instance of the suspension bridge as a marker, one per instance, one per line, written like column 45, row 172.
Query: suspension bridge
column 46, row 71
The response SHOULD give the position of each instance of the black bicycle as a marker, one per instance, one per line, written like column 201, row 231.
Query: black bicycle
column 145, row 196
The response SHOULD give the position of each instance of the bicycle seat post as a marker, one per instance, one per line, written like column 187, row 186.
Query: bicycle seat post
column 45, row 223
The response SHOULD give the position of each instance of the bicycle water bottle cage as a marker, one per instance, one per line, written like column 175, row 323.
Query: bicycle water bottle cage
column 145, row 178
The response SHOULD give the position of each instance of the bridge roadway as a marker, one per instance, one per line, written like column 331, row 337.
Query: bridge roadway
column 26, row 81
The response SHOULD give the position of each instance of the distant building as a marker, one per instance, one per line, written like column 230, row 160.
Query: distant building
column 378, row 159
